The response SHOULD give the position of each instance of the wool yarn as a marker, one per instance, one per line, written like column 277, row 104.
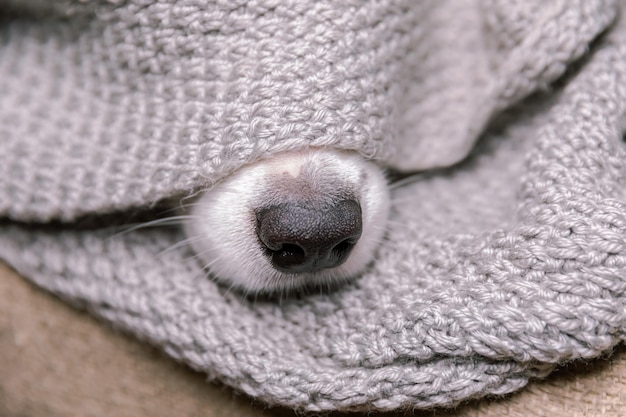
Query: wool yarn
column 493, row 271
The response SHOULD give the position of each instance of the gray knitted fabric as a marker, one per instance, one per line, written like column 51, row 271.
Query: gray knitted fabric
column 492, row 272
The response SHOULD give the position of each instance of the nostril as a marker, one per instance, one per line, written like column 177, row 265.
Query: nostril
column 342, row 250
column 288, row 256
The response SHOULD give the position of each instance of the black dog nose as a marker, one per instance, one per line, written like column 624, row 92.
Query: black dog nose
column 306, row 239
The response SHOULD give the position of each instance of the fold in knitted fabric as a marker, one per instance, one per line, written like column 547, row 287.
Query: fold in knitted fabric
column 492, row 272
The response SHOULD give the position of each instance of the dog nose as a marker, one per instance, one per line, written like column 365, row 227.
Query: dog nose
column 300, row 238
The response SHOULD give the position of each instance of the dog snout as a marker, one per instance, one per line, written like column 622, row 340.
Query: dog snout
column 301, row 238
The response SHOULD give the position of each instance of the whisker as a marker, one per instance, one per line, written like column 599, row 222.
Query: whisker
column 380, row 242
column 167, row 211
column 199, row 254
column 182, row 243
column 203, row 272
column 231, row 290
column 207, row 266
column 387, row 227
column 408, row 180
column 167, row 221
column 391, row 221
column 188, row 205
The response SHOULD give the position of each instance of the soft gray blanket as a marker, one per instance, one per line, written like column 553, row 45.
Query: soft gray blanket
column 493, row 271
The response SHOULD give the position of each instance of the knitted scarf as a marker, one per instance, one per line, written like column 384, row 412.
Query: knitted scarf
column 494, row 269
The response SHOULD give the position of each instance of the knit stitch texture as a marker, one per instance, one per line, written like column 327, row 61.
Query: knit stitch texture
column 493, row 271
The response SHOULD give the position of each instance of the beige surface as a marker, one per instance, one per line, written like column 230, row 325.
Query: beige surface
column 55, row 361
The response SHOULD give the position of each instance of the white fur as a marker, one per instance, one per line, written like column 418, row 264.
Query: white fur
column 223, row 225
